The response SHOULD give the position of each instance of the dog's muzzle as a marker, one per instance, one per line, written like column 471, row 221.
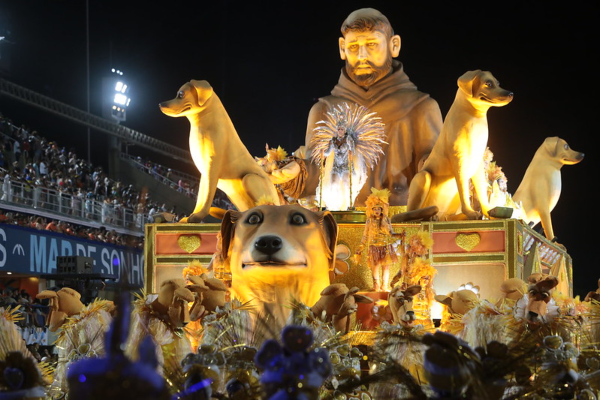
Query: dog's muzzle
column 266, row 254
column 269, row 244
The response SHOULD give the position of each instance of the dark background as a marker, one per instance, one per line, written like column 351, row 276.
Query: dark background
column 270, row 61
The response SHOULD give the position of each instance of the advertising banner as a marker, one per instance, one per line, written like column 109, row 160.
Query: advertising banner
column 34, row 252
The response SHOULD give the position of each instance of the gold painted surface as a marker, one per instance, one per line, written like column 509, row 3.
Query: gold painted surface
column 189, row 243
column 182, row 260
column 469, row 258
column 512, row 259
column 358, row 272
column 349, row 216
column 149, row 268
column 467, row 241
column 184, row 228
column 467, row 225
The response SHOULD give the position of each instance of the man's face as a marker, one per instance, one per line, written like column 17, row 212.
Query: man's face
column 368, row 57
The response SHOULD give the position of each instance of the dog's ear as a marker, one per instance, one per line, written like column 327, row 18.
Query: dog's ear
column 413, row 290
column 465, row 82
column 330, row 231
column 547, row 284
column 203, row 89
column 444, row 299
column 551, row 145
column 227, row 231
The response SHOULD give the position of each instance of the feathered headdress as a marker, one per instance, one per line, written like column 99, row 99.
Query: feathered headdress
column 378, row 198
column 278, row 154
column 364, row 128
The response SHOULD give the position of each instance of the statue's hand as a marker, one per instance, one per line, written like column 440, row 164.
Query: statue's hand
column 286, row 173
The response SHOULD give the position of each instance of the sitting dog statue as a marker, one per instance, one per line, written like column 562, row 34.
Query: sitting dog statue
column 337, row 303
column 457, row 157
column 540, row 188
column 218, row 152
column 276, row 254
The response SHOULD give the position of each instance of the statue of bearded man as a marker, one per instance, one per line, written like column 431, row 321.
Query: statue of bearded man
column 374, row 79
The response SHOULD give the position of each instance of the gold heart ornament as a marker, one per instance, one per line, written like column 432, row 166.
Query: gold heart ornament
column 467, row 241
column 189, row 243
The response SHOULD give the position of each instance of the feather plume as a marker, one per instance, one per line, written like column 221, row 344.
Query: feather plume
column 363, row 127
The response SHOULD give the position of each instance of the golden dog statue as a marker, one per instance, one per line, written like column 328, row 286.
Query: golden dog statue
column 540, row 188
column 218, row 152
column 458, row 154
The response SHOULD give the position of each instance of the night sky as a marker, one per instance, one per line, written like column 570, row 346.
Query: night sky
column 270, row 61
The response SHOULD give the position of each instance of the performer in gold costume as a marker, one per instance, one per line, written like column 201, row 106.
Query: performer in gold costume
column 378, row 238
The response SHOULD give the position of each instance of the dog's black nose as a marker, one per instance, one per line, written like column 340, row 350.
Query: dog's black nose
column 268, row 244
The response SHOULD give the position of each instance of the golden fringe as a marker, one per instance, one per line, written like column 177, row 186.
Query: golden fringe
column 90, row 310
column 194, row 268
column 12, row 314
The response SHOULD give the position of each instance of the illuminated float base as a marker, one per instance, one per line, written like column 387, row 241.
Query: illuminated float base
column 482, row 252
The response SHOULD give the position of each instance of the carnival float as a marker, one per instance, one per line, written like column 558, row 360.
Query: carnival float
column 385, row 259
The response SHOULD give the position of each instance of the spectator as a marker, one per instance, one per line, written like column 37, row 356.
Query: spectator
column 17, row 151
column 6, row 188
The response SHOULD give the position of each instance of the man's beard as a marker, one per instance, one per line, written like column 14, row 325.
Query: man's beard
column 376, row 74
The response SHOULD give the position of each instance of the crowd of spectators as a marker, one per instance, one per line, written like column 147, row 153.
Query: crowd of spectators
column 32, row 322
column 175, row 179
column 43, row 167
column 101, row 234
column 181, row 182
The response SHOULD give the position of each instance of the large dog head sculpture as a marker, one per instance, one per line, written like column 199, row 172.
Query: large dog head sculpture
column 276, row 253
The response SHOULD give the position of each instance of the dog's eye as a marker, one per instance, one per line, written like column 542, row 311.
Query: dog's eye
column 298, row 219
column 254, row 218
column 180, row 94
column 489, row 84
column 566, row 147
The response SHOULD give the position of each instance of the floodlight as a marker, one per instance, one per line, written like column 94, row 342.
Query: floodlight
column 121, row 99
column 117, row 96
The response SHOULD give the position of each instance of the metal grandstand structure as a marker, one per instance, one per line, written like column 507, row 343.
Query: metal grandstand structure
column 92, row 121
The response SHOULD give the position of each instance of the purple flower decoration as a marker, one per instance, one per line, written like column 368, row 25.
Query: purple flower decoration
column 291, row 371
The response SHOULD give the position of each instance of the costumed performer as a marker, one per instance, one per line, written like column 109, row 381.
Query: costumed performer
column 378, row 238
column 346, row 144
